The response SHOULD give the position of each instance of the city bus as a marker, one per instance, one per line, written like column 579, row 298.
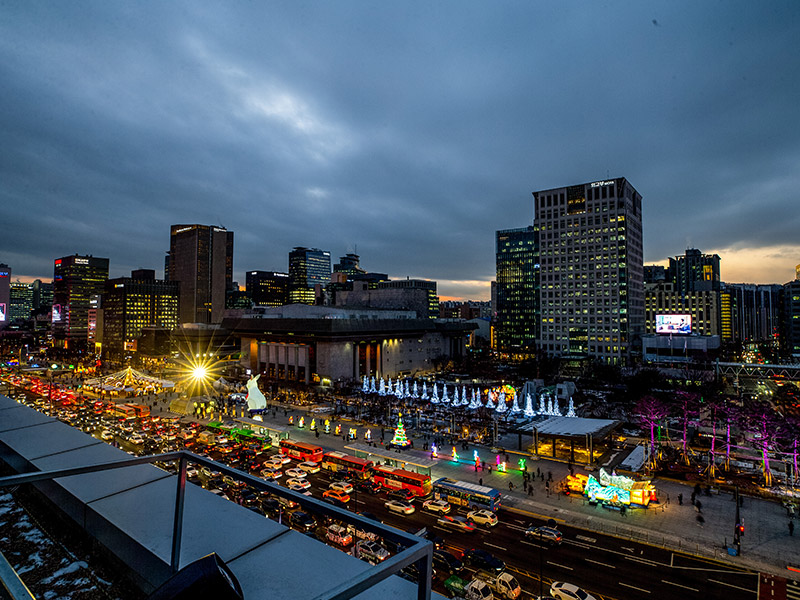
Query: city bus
column 141, row 410
column 125, row 411
column 463, row 493
column 301, row 451
column 339, row 461
column 394, row 478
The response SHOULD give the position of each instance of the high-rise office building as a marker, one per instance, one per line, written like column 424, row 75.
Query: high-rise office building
column 5, row 293
column 267, row 288
column 790, row 320
column 21, row 301
column 755, row 311
column 201, row 260
column 42, row 294
column 130, row 304
column 75, row 279
column 516, row 323
column 695, row 272
column 591, row 275
column 308, row 268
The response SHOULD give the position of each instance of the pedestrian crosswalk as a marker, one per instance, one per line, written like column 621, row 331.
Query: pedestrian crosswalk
column 792, row 590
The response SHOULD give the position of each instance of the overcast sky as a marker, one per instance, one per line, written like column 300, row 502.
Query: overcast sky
column 410, row 131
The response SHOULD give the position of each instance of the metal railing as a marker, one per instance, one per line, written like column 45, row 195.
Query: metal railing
column 417, row 550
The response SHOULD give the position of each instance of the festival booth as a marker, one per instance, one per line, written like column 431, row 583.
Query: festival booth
column 613, row 490
column 127, row 382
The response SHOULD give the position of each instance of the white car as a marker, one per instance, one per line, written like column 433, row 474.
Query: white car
column 297, row 484
column 107, row 435
column 400, row 507
column 280, row 459
column 296, row 473
column 438, row 506
column 309, row 466
column 136, row 439
column 568, row 591
column 483, row 517
column 271, row 473
column 342, row 486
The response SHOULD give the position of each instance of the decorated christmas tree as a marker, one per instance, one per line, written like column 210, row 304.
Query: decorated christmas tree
column 400, row 438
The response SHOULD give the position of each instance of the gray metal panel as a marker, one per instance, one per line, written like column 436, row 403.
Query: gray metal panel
column 43, row 440
column 14, row 415
column 146, row 514
column 92, row 486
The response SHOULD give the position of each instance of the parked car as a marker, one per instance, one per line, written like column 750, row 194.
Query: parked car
column 568, row 591
column 400, row 507
column 445, row 562
column 342, row 486
column 337, row 494
column 402, row 494
column 483, row 517
column 370, row 550
column 482, row 560
column 438, row 506
column 545, row 534
column 456, row 523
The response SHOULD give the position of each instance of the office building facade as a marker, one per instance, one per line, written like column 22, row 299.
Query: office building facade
column 308, row 268
column 76, row 279
column 517, row 318
column 703, row 307
column 790, row 320
column 267, row 288
column 130, row 304
column 5, row 294
column 201, row 260
column 591, row 269
column 695, row 272
column 755, row 311
column 20, row 301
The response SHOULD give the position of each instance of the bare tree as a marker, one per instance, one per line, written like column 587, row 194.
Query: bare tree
column 649, row 411
column 689, row 411
column 765, row 425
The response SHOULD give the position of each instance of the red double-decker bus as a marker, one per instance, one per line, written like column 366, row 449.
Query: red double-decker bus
column 301, row 451
column 339, row 461
column 394, row 478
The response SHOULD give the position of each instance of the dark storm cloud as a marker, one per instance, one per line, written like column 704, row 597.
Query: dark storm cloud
column 412, row 131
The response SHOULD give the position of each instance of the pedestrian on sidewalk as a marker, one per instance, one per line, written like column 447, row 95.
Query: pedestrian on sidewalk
column 530, row 490
column 538, row 472
column 549, row 476
column 791, row 528
column 524, row 485
column 510, row 486
column 480, row 480
column 693, row 497
column 680, row 499
column 698, row 506
column 700, row 520
column 490, row 469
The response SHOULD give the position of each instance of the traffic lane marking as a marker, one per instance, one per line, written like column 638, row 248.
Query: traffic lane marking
column 597, row 562
column 633, row 587
column 686, row 587
column 560, row 565
column 494, row 546
column 738, row 587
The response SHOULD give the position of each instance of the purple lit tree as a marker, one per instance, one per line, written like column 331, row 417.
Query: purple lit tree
column 649, row 411
column 688, row 405
column 765, row 425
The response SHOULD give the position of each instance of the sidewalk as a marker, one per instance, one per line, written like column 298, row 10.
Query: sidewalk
column 766, row 545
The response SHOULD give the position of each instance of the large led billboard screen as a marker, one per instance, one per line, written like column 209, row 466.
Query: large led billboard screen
column 677, row 324
column 2, row 311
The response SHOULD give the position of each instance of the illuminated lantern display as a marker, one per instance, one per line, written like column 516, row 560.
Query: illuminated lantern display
column 368, row 435
column 455, row 455
column 434, row 451
column 614, row 489
column 521, row 463
column 353, row 433
column 327, row 425
column 339, row 429
column 291, row 419
column 301, row 422
column 313, row 426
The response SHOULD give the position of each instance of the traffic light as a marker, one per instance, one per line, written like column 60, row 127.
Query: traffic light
column 740, row 529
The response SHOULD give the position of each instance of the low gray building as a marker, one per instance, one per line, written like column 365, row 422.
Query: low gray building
column 319, row 344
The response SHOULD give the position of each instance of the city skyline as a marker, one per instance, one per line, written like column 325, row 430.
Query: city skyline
column 408, row 133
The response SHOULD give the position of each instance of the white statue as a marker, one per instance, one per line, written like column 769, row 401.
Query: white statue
column 255, row 399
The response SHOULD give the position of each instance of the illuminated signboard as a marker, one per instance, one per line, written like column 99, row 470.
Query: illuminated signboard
column 3, row 274
column 602, row 183
column 182, row 229
column 58, row 261
column 81, row 261
column 2, row 311
column 56, row 313
column 677, row 324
